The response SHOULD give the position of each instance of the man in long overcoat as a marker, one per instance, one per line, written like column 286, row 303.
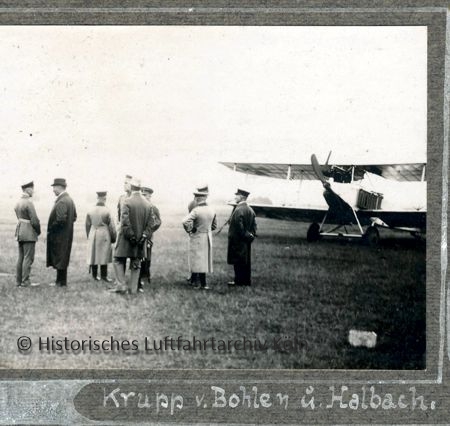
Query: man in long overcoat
column 200, row 223
column 101, row 233
column 27, row 232
column 60, row 231
column 241, row 233
column 145, row 274
column 136, row 222
column 192, row 204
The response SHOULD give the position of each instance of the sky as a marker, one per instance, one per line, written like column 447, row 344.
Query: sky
column 166, row 104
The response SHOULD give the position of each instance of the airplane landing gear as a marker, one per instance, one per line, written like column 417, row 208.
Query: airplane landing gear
column 313, row 233
column 372, row 236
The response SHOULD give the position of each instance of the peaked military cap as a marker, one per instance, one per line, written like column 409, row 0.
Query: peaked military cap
column 28, row 185
column 242, row 192
column 147, row 189
column 202, row 191
column 135, row 183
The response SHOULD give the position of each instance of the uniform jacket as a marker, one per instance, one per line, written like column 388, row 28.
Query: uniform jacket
column 137, row 218
column 60, row 231
column 28, row 226
column 122, row 199
column 101, row 232
column 156, row 224
column 156, row 219
column 199, row 223
column 241, row 233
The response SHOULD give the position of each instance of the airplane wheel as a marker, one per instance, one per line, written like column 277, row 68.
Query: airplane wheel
column 372, row 236
column 313, row 233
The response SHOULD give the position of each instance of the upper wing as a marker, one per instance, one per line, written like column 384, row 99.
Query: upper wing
column 411, row 172
column 275, row 170
column 340, row 172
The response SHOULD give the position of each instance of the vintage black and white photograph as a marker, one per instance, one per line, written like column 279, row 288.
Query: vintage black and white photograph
column 213, row 197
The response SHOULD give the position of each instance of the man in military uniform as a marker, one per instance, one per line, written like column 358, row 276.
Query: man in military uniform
column 101, row 233
column 192, row 204
column 199, row 224
column 124, row 196
column 136, row 223
column 60, row 232
column 241, row 233
column 27, row 232
column 146, row 263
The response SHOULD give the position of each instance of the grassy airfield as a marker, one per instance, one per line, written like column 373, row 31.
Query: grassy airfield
column 312, row 292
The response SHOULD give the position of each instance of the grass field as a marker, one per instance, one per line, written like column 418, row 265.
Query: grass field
column 315, row 292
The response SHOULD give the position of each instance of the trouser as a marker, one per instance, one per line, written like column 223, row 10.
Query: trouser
column 120, row 264
column 119, row 269
column 199, row 277
column 146, row 264
column 61, row 277
column 24, row 262
column 103, row 271
column 242, row 273
column 145, row 270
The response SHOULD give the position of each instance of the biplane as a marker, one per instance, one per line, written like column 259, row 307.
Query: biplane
column 360, row 199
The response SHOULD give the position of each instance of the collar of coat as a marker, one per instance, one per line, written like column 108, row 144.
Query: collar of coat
column 60, row 196
column 25, row 195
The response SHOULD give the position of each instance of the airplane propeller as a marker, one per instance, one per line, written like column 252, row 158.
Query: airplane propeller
column 318, row 169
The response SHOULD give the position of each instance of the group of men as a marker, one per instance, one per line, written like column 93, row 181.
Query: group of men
column 59, row 233
column 132, row 238
column 199, row 224
column 138, row 220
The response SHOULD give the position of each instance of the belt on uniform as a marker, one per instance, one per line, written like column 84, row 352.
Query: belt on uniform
column 24, row 220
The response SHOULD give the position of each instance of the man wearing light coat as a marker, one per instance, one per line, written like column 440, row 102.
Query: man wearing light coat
column 101, row 233
column 27, row 232
column 200, row 223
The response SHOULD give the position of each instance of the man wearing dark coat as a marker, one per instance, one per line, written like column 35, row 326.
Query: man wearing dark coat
column 136, row 222
column 27, row 232
column 241, row 233
column 60, row 231
column 147, row 261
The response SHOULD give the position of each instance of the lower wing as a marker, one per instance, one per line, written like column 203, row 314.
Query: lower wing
column 299, row 214
column 392, row 219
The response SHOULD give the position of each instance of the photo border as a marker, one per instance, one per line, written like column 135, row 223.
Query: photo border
column 411, row 13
